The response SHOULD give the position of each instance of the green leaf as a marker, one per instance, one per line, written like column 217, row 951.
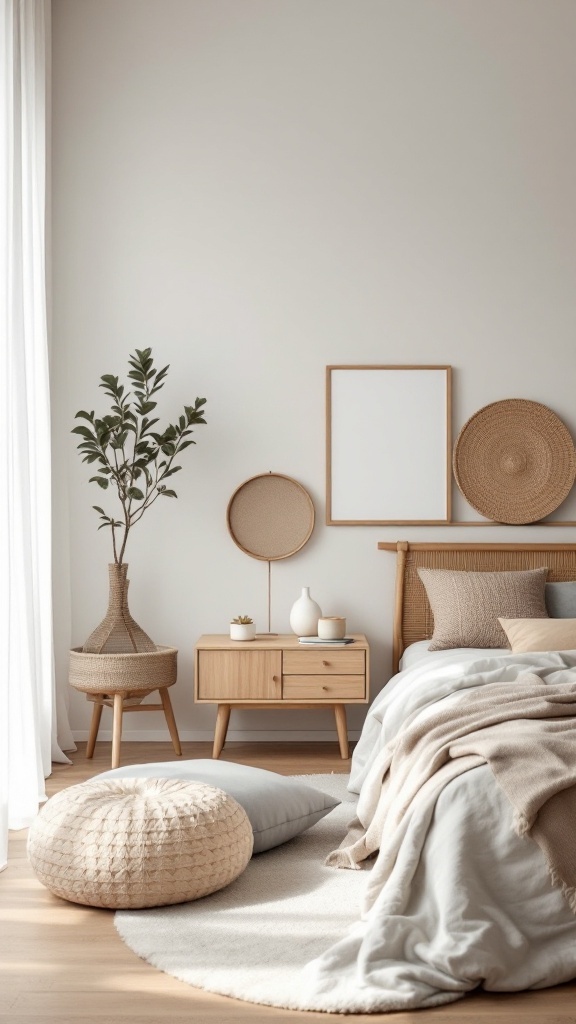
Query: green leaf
column 120, row 440
column 168, row 494
column 98, row 509
column 170, row 472
column 99, row 480
column 84, row 431
column 146, row 423
column 135, row 492
column 85, row 415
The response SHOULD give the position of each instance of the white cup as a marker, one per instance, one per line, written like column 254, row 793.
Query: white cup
column 332, row 627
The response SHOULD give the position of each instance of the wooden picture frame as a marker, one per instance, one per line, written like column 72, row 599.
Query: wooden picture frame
column 388, row 445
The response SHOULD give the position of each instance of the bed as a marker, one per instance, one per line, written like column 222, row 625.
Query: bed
column 466, row 888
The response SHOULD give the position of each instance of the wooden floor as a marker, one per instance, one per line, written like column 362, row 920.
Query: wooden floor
column 63, row 963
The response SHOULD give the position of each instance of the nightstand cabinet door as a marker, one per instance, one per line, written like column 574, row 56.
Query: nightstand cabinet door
column 239, row 675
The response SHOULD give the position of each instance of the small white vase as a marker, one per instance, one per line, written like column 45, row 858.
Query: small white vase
column 305, row 614
column 242, row 631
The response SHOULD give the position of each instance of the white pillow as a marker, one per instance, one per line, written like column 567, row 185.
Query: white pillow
column 278, row 807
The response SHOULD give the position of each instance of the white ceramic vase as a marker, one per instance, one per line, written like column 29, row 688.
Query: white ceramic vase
column 305, row 614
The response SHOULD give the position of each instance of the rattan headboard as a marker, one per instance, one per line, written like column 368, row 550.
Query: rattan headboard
column 413, row 618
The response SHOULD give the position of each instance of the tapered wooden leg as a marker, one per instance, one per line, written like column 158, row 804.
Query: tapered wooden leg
column 222, row 719
column 171, row 721
column 117, row 729
column 342, row 729
column 94, row 726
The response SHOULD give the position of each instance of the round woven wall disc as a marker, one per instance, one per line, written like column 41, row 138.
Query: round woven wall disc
column 270, row 516
column 514, row 461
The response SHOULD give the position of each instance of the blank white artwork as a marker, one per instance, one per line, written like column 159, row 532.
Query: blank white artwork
column 388, row 452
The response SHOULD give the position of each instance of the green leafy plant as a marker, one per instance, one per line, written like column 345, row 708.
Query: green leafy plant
column 242, row 620
column 132, row 458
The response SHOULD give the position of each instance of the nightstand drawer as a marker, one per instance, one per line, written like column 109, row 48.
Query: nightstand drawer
column 324, row 662
column 239, row 675
column 328, row 688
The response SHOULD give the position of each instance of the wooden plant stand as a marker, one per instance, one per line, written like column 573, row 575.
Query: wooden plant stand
column 121, row 682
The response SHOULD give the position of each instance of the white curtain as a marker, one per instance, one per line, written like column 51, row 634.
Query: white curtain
column 27, row 692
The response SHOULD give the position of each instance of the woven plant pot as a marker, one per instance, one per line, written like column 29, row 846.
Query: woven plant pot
column 118, row 633
column 122, row 673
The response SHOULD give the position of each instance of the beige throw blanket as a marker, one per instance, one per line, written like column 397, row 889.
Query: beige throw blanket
column 524, row 730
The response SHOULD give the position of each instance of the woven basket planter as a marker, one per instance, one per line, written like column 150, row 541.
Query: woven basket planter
column 122, row 673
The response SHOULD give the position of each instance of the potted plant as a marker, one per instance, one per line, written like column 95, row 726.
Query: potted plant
column 242, row 628
column 135, row 461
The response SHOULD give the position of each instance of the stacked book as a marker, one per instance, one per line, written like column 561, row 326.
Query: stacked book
column 326, row 643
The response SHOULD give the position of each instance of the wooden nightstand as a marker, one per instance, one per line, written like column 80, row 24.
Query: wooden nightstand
column 280, row 672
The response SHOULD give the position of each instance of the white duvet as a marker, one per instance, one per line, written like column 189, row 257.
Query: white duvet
column 468, row 903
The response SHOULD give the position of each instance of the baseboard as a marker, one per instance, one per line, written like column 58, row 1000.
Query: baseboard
column 234, row 736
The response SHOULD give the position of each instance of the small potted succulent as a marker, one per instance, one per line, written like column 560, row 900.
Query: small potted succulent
column 242, row 628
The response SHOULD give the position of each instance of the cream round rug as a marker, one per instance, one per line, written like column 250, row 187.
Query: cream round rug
column 252, row 939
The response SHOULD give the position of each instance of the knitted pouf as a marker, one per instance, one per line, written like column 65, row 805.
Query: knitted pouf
column 127, row 843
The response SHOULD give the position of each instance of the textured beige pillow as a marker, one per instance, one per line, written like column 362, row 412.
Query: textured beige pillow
column 467, row 605
column 540, row 634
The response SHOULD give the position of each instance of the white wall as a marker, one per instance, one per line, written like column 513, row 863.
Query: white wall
column 256, row 189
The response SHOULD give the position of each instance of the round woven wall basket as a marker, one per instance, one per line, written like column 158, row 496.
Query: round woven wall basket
column 270, row 516
column 514, row 461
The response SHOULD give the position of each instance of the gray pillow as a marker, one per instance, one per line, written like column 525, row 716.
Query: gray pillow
column 279, row 808
column 467, row 605
column 561, row 600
